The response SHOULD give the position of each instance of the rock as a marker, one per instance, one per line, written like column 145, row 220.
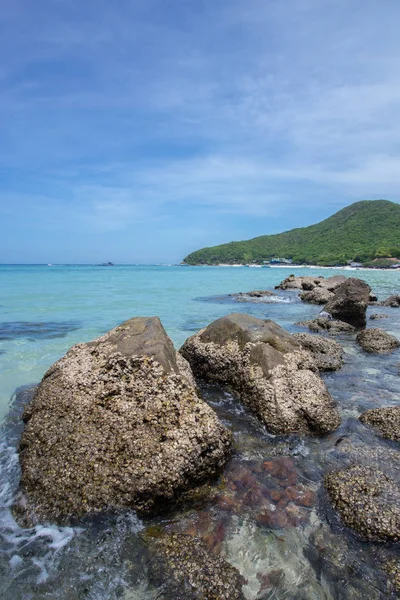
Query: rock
column 327, row 354
column 377, row 341
column 393, row 301
column 372, row 298
column 117, row 423
column 298, row 283
column 350, row 302
column 253, row 296
column 368, row 502
column 392, row 570
column 186, row 568
column 386, row 420
column 325, row 324
column 318, row 295
column 332, row 283
column 377, row 316
column 267, row 368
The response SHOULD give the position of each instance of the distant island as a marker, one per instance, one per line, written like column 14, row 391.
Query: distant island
column 366, row 233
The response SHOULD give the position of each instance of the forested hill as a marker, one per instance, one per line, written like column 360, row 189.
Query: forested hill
column 361, row 232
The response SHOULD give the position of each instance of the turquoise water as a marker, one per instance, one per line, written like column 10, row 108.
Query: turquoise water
column 46, row 309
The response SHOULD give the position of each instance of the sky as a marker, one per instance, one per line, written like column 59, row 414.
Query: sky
column 136, row 131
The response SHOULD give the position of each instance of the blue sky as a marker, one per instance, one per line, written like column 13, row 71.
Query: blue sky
column 137, row 131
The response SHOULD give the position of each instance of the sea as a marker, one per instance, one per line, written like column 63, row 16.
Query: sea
column 268, row 514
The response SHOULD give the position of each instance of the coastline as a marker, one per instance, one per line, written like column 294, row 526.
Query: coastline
column 339, row 268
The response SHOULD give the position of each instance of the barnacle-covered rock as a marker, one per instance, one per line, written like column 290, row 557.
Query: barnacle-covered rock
column 268, row 369
column 318, row 295
column 116, row 423
column 324, row 324
column 368, row 502
column 385, row 420
column 328, row 354
column 185, row 568
column 377, row 341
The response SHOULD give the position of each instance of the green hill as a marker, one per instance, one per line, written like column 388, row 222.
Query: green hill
column 360, row 232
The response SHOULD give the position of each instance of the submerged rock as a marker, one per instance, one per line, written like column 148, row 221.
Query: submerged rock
column 325, row 324
column 318, row 295
column 393, row 301
column 117, row 423
column 253, row 296
column 377, row 341
column 268, row 369
column 327, row 354
column 186, row 568
column 377, row 316
column 386, row 420
column 368, row 502
column 350, row 302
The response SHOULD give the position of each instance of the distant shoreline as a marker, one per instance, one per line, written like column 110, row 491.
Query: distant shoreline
column 342, row 268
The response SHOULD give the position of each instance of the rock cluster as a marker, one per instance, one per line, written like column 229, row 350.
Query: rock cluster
column 377, row 341
column 268, row 369
column 186, row 568
column 328, row 354
column 253, row 296
column 309, row 283
column 393, row 301
column 368, row 502
column 117, row 423
column 385, row 420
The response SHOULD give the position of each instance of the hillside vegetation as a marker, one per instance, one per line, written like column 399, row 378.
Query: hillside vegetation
column 360, row 232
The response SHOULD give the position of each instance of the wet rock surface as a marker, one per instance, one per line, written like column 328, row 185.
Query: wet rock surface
column 328, row 354
column 377, row 341
column 323, row 324
column 268, row 369
column 350, row 302
column 185, row 568
column 385, row 420
column 116, row 423
column 367, row 501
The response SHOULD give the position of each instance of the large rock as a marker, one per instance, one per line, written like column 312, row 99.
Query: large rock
column 368, row 502
column 350, row 302
column 318, row 295
column 117, row 423
column 377, row 341
column 184, row 567
column 268, row 369
column 386, row 420
column 327, row 354
column 332, row 283
column 299, row 283
column 322, row 324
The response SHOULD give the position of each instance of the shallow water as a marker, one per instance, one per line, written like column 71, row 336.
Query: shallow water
column 269, row 515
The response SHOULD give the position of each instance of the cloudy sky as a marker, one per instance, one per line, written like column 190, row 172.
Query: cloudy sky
column 139, row 130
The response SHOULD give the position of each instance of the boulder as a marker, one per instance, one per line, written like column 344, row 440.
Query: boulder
column 377, row 316
column 318, row 295
column 268, row 369
column 332, row 283
column 116, row 423
column 368, row 502
column 185, row 568
column 350, row 302
column 385, row 420
column 327, row 354
column 393, row 301
column 324, row 324
column 377, row 341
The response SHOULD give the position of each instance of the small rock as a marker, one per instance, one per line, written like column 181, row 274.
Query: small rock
column 386, row 420
column 377, row 341
column 318, row 295
column 368, row 502
column 393, row 301
column 327, row 324
column 377, row 316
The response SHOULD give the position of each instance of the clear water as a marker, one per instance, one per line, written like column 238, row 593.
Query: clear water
column 285, row 547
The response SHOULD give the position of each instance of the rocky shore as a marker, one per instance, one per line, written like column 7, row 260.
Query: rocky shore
column 121, row 423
